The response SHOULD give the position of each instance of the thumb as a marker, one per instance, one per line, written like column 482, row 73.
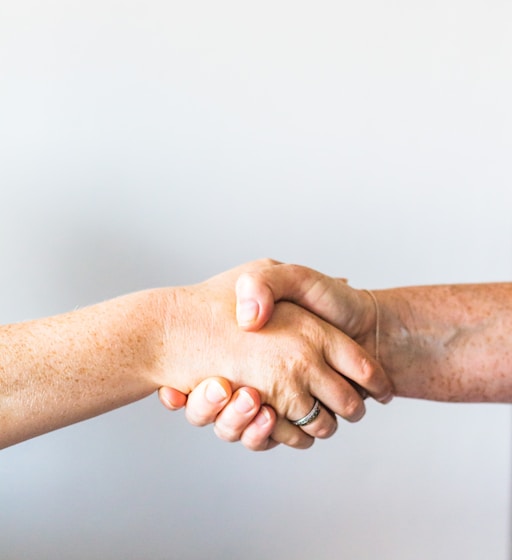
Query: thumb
column 254, row 302
column 328, row 298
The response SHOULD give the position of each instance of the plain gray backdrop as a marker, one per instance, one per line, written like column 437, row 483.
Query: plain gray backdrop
column 149, row 143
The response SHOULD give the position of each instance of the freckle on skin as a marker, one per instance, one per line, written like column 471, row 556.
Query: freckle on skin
column 449, row 342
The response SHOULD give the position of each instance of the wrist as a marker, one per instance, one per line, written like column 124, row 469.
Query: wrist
column 376, row 323
column 140, row 333
column 184, row 331
column 368, row 328
column 396, row 342
column 165, row 320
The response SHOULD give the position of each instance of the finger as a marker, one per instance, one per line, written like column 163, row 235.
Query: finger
column 350, row 359
column 258, row 290
column 335, row 393
column 172, row 398
column 238, row 414
column 207, row 400
column 290, row 435
column 257, row 435
column 322, row 425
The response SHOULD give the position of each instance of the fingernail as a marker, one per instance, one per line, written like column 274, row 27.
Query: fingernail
column 263, row 417
column 164, row 397
column 215, row 392
column 244, row 402
column 247, row 311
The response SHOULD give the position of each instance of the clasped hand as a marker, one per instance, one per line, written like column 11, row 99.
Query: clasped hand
column 298, row 337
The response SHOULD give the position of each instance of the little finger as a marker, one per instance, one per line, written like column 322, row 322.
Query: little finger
column 351, row 360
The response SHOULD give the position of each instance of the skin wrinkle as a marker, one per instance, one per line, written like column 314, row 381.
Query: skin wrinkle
column 315, row 293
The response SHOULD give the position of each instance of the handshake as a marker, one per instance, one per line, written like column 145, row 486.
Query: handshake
column 303, row 351
column 270, row 353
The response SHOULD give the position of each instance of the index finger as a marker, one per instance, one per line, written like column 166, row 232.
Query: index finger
column 359, row 368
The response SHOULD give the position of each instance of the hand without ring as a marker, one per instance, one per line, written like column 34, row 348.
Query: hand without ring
column 310, row 416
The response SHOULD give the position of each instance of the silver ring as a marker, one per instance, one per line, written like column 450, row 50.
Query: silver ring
column 310, row 416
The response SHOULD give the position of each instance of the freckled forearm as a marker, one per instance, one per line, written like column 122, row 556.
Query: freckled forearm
column 60, row 370
column 450, row 343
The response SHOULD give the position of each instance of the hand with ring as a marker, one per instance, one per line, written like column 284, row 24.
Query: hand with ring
column 238, row 415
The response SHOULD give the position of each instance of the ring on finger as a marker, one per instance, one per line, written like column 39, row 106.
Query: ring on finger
column 310, row 416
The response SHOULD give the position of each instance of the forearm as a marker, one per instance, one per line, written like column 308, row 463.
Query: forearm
column 63, row 369
column 449, row 343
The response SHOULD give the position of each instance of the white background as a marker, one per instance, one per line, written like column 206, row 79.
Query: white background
column 147, row 143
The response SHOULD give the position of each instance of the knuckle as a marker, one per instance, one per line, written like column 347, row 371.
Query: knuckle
column 368, row 369
column 254, row 444
column 300, row 440
column 326, row 431
column 226, row 434
column 306, row 444
column 196, row 419
column 354, row 410
column 295, row 269
column 265, row 262
column 373, row 375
